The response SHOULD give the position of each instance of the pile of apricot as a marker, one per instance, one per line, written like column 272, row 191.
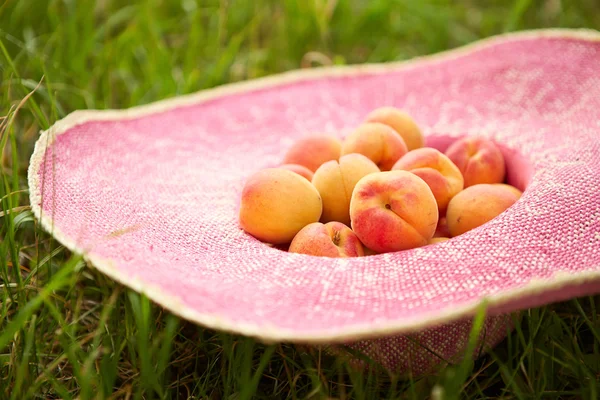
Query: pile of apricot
column 379, row 190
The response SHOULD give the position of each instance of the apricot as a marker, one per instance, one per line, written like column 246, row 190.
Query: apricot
column 313, row 150
column 369, row 252
column 442, row 176
column 442, row 228
column 513, row 189
column 393, row 210
column 438, row 239
column 378, row 142
column 401, row 122
column 478, row 159
column 299, row 169
column 335, row 182
column 276, row 204
column 477, row 205
column 332, row 239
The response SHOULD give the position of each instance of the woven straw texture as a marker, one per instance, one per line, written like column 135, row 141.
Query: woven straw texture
column 150, row 195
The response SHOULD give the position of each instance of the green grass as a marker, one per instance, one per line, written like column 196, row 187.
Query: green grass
column 67, row 331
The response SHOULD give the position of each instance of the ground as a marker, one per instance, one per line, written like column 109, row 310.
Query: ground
column 67, row 331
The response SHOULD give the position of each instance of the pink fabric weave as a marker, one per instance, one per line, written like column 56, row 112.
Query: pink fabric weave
column 152, row 198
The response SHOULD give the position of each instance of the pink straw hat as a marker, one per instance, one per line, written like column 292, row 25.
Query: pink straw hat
column 150, row 196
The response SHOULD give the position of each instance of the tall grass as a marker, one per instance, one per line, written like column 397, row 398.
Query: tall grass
column 67, row 331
